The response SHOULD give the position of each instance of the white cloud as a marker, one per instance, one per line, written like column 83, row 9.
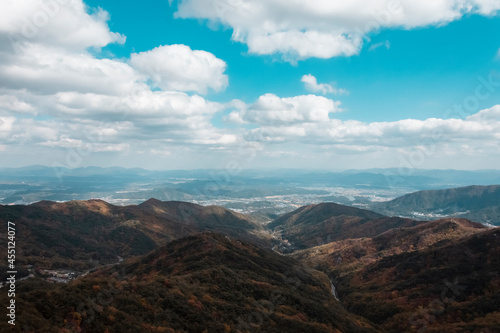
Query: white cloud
column 296, row 44
column 97, row 147
column 177, row 67
column 6, row 125
column 312, row 85
column 59, row 23
column 12, row 103
column 173, row 117
column 271, row 109
column 141, row 103
column 323, row 29
column 375, row 46
column 99, row 104
column 87, row 104
column 44, row 69
column 486, row 116
column 482, row 127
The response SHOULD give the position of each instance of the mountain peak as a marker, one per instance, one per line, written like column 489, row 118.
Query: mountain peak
column 151, row 201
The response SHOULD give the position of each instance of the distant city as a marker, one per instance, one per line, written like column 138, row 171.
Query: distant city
column 265, row 192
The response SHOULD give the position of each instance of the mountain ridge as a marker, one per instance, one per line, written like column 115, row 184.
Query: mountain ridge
column 479, row 203
column 313, row 225
column 54, row 232
column 202, row 283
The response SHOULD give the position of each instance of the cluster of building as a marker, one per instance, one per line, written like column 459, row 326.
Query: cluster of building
column 60, row 276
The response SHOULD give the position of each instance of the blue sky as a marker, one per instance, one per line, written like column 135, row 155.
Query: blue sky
column 424, row 71
column 192, row 83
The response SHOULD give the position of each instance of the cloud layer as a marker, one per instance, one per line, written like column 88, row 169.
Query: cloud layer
column 59, row 102
column 56, row 94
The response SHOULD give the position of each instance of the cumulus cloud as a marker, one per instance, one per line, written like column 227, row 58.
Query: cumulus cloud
column 486, row 116
column 93, row 104
column 43, row 69
column 483, row 127
column 6, row 125
column 144, row 115
column 29, row 131
column 323, row 29
column 307, row 120
column 141, row 103
column 312, row 85
column 12, row 103
column 59, row 23
column 281, row 111
column 177, row 67
column 56, row 96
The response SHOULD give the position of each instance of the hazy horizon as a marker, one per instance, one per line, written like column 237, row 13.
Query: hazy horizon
column 368, row 169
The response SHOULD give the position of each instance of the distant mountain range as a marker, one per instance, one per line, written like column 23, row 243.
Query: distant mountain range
column 477, row 203
column 192, row 268
column 131, row 186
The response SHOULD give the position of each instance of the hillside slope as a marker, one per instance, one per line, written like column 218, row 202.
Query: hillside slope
column 440, row 276
column 314, row 225
column 477, row 203
column 82, row 234
column 202, row 283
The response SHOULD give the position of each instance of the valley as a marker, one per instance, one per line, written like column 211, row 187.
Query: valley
column 249, row 166
column 342, row 269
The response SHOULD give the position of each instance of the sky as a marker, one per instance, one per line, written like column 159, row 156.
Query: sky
column 240, row 84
